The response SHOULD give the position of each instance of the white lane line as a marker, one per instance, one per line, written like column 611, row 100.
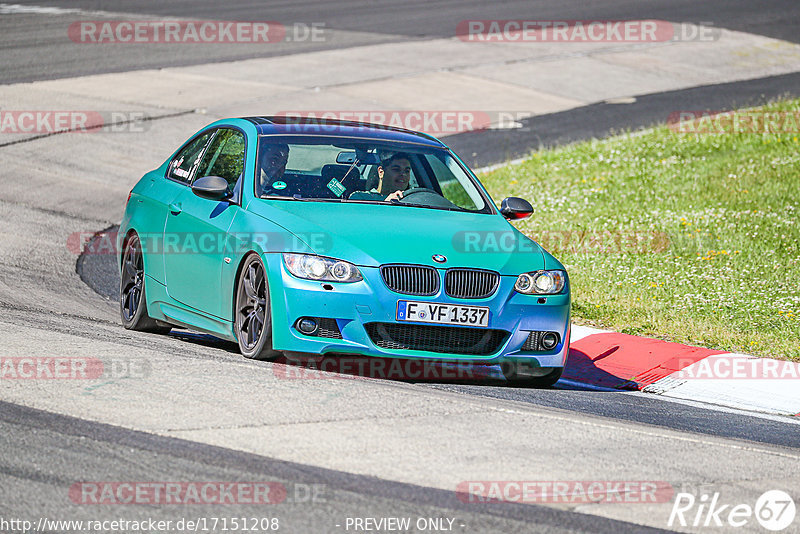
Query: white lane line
column 622, row 425
column 716, row 407
column 14, row 9
column 18, row 9
column 687, row 402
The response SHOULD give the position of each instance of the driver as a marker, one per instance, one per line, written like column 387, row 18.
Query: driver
column 394, row 174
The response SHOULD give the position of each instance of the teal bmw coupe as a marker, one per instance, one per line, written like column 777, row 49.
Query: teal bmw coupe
column 305, row 236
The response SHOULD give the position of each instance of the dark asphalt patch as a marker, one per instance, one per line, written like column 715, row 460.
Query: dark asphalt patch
column 99, row 271
column 597, row 121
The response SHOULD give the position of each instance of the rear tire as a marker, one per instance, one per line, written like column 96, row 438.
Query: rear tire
column 132, row 299
column 252, row 311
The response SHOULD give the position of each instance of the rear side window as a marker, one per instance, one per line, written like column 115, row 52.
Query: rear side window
column 224, row 157
column 186, row 161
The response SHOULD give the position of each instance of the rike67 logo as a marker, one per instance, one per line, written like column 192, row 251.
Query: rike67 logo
column 774, row 510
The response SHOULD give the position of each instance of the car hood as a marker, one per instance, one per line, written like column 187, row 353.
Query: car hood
column 375, row 234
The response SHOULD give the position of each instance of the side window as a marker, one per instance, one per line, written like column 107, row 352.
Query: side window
column 187, row 159
column 451, row 184
column 224, row 157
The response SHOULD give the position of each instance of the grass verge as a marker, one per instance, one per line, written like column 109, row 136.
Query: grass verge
column 689, row 237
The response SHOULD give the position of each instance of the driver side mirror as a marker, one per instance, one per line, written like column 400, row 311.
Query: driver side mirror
column 211, row 187
column 515, row 208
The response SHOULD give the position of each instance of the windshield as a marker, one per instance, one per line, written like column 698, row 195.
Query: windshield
column 360, row 170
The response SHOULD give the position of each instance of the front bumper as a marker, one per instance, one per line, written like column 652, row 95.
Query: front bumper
column 355, row 305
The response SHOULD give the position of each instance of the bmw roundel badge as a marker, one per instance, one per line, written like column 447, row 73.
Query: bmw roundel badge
column 438, row 258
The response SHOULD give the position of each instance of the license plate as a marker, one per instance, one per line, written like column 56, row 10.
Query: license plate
column 434, row 312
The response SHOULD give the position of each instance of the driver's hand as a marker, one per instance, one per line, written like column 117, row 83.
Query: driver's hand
column 397, row 195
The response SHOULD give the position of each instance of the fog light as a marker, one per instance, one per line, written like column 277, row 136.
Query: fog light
column 307, row 325
column 549, row 340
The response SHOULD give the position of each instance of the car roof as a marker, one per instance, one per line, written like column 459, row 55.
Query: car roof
column 273, row 125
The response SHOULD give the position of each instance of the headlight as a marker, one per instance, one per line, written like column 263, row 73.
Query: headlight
column 541, row 282
column 319, row 268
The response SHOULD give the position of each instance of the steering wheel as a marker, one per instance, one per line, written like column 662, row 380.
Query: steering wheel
column 416, row 191
column 425, row 197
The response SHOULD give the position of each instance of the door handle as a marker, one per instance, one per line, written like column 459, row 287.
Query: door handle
column 175, row 208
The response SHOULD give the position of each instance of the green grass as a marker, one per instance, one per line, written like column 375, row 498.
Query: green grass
column 715, row 216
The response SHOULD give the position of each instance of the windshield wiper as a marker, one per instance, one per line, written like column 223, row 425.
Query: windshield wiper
column 375, row 202
column 413, row 205
column 301, row 198
column 283, row 197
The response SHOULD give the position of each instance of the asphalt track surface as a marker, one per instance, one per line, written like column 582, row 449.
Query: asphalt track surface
column 317, row 500
column 38, row 48
column 44, row 453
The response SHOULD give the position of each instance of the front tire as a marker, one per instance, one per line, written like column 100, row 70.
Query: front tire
column 132, row 299
column 252, row 311
column 520, row 374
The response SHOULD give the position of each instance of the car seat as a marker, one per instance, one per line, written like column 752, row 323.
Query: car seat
column 349, row 177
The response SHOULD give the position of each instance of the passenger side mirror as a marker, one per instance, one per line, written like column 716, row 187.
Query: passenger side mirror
column 515, row 208
column 211, row 187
